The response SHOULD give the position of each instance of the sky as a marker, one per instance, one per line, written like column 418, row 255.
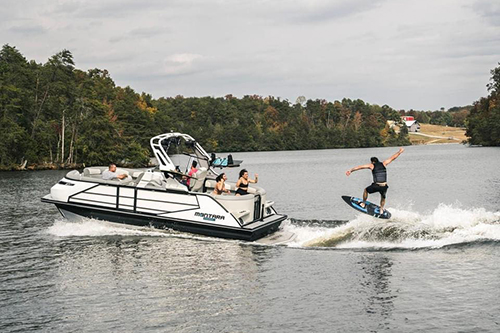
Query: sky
column 407, row 54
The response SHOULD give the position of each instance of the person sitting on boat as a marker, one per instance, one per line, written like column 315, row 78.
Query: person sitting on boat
column 191, row 172
column 220, row 186
column 183, row 178
column 111, row 174
column 243, row 181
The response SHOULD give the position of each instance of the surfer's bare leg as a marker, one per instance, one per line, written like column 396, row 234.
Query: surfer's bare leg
column 365, row 197
column 382, row 203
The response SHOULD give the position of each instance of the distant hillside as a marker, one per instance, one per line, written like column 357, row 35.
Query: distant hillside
column 433, row 134
column 454, row 116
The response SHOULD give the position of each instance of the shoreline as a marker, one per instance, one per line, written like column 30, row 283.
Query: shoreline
column 44, row 166
column 56, row 166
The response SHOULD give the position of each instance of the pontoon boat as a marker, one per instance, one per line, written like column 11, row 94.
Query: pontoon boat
column 158, row 198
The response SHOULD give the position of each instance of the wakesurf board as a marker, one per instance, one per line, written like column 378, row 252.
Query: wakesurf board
column 369, row 208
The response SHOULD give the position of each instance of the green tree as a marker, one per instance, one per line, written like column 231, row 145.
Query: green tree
column 483, row 122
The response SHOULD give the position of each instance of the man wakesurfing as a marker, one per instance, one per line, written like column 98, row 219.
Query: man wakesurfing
column 379, row 173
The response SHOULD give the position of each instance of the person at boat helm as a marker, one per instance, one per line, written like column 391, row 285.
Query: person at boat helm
column 379, row 173
column 111, row 174
column 243, row 181
column 220, row 186
column 191, row 172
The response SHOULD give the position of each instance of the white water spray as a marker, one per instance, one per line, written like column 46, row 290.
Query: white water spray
column 93, row 228
column 446, row 225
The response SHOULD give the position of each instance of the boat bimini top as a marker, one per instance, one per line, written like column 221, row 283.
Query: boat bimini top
column 163, row 142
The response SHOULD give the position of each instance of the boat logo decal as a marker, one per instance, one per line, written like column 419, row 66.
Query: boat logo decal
column 209, row 217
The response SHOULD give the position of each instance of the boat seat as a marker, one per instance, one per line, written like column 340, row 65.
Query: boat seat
column 137, row 178
column 172, row 184
column 74, row 175
column 210, row 183
column 137, row 174
column 198, row 180
column 96, row 173
column 92, row 172
column 156, row 183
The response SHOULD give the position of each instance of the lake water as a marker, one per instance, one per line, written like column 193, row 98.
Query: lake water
column 432, row 268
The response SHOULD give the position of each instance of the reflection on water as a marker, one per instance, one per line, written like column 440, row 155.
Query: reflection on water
column 377, row 285
column 180, row 278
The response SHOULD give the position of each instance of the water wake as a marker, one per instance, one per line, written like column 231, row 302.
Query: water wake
column 93, row 228
column 446, row 225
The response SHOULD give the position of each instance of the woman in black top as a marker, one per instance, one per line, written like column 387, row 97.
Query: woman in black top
column 243, row 181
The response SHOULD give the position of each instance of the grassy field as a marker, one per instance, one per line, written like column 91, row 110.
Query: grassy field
column 440, row 134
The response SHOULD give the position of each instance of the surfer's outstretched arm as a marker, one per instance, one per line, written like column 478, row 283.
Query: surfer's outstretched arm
column 359, row 167
column 393, row 157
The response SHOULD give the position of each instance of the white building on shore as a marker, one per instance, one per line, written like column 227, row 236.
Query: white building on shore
column 411, row 123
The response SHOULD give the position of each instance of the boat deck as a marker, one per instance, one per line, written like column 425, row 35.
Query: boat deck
column 264, row 221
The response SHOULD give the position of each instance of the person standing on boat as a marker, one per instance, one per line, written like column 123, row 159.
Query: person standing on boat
column 220, row 186
column 379, row 173
column 111, row 174
column 191, row 172
column 243, row 181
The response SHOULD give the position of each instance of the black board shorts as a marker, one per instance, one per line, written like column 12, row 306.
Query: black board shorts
column 374, row 187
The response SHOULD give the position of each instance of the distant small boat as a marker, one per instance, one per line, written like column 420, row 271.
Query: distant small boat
column 157, row 197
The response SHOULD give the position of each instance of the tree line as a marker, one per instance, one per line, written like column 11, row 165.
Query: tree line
column 54, row 115
column 483, row 122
